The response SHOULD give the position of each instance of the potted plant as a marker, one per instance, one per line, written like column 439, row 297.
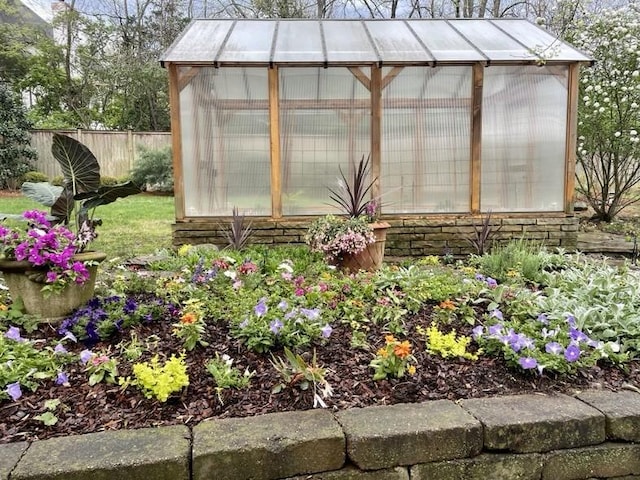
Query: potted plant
column 354, row 241
column 46, row 264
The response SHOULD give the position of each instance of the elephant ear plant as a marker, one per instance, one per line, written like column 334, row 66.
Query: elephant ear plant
column 74, row 203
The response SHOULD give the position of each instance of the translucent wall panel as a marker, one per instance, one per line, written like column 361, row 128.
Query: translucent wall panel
column 426, row 140
column 224, row 121
column 523, row 138
column 324, row 124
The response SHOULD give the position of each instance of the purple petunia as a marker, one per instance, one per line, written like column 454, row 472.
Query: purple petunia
column 572, row 353
column 261, row 308
column 14, row 391
column 275, row 326
column 62, row 379
column 495, row 313
column 13, row 333
column 311, row 313
column 477, row 332
column 528, row 362
column 492, row 282
column 554, row 348
column 85, row 356
column 59, row 349
column 542, row 318
column 326, row 331
column 495, row 330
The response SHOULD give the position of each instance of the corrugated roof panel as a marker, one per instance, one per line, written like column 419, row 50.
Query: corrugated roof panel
column 492, row 41
column 250, row 42
column 348, row 41
column 299, row 41
column 200, row 42
column 444, row 42
column 354, row 42
column 539, row 40
column 397, row 43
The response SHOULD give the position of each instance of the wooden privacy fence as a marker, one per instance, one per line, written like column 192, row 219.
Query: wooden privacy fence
column 116, row 152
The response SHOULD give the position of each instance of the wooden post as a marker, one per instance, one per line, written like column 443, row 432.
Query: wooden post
column 130, row 149
column 570, row 145
column 274, row 135
column 176, row 141
column 476, row 136
column 376, row 128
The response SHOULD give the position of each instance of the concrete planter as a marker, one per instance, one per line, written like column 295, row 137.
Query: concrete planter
column 23, row 281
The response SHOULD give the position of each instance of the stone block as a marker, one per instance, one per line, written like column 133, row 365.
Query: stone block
column 276, row 445
column 352, row 473
column 482, row 467
column 621, row 411
column 602, row 461
column 406, row 434
column 536, row 423
column 519, row 221
column 557, row 221
column 158, row 453
column 9, row 455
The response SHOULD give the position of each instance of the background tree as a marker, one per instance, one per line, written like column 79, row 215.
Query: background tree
column 16, row 154
column 609, row 111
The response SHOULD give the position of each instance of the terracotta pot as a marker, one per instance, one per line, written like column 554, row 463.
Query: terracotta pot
column 371, row 257
column 19, row 277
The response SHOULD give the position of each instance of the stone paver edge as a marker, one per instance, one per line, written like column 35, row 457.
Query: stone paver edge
column 7, row 470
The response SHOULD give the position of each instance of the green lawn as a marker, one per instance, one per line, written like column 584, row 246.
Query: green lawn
column 131, row 226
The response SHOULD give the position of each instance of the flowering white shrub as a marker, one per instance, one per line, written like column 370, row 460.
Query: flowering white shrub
column 609, row 109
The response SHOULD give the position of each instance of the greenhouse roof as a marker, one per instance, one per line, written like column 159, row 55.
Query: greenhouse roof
column 358, row 42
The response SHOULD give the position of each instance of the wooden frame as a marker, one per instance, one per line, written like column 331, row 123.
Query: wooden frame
column 571, row 140
column 176, row 141
column 476, row 137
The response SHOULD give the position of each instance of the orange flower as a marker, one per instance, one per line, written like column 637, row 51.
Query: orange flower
column 447, row 305
column 188, row 318
column 389, row 339
column 402, row 350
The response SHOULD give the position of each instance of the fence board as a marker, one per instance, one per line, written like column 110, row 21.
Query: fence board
column 116, row 152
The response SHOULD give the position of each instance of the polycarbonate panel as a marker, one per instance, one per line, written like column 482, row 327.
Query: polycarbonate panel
column 324, row 125
column 200, row 42
column 299, row 41
column 250, row 41
column 224, row 120
column 347, row 41
column 494, row 43
column 443, row 41
column 539, row 40
column 397, row 43
column 524, row 123
column 426, row 141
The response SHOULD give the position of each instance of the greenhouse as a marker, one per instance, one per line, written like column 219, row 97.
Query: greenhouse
column 459, row 118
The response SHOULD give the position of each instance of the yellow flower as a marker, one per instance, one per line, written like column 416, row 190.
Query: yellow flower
column 3, row 307
column 389, row 339
column 382, row 353
column 184, row 250
column 411, row 369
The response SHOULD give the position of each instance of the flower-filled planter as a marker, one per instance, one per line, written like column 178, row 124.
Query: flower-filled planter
column 26, row 281
column 355, row 241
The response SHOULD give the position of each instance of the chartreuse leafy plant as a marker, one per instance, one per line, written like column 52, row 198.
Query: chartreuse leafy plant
column 446, row 345
column 159, row 381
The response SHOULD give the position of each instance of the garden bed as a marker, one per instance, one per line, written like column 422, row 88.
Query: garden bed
column 223, row 290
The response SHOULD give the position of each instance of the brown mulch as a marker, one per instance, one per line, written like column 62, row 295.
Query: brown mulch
column 85, row 409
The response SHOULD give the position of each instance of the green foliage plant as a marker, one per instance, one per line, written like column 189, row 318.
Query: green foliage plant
column 298, row 372
column 48, row 417
column 16, row 153
column 35, row 176
column 394, row 359
column 159, row 381
column 191, row 326
column 225, row 375
column 153, row 169
column 102, row 367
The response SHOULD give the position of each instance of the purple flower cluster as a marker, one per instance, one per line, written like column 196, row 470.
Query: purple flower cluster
column 525, row 348
column 46, row 246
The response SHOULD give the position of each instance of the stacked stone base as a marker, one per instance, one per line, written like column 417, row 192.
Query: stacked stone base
column 407, row 236
column 594, row 435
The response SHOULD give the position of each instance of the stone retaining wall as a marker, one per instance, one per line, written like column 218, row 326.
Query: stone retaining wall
column 594, row 435
column 412, row 236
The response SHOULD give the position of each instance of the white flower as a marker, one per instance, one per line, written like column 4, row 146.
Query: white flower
column 633, row 133
column 617, row 134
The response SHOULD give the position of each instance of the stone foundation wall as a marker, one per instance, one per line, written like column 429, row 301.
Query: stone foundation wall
column 594, row 435
column 414, row 236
